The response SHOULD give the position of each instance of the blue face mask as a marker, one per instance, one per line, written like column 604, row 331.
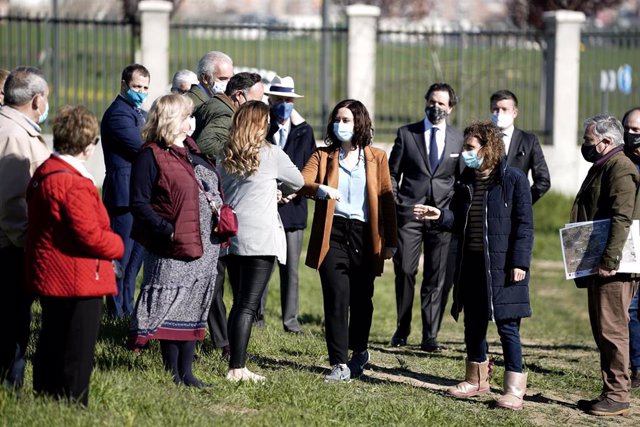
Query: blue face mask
column 472, row 160
column 283, row 110
column 43, row 116
column 343, row 131
column 136, row 98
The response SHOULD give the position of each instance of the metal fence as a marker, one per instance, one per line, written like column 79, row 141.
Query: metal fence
column 609, row 60
column 474, row 64
column 82, row 59
column 270, row 50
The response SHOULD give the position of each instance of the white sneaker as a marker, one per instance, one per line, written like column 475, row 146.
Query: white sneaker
column 243, row 374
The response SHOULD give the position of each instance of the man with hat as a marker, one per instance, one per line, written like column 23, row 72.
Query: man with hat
column 294, row 135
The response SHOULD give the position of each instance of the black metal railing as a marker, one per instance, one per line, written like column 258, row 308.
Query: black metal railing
column 81, row 58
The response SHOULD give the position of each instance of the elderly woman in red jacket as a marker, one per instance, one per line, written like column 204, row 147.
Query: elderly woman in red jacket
column 69, row 250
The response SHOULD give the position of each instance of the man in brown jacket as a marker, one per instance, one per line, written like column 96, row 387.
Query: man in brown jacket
column 609, row 192
column 22, row 150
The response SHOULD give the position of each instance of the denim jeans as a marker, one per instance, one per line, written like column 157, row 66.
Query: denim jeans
column 476, row 317
column 634, row 332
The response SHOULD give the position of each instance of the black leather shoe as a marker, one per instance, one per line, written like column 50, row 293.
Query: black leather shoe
column 397, row 341
column 431, row 347
column 608, row 407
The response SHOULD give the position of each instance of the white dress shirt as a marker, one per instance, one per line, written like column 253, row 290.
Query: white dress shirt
column 440, row 136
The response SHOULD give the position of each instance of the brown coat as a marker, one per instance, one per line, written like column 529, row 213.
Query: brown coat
column 323, row 168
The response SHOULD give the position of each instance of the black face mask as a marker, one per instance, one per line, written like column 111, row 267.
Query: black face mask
column 632, row 140
column 630, row 152
column 590, row 153
column 435, row 114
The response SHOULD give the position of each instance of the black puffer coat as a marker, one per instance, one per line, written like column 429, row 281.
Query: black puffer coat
column 508, row 233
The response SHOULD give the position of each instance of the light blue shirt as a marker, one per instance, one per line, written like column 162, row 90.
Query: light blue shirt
column 352, row 185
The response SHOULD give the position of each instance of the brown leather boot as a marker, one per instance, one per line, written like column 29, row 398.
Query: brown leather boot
column 515, row 387
column 476, row 381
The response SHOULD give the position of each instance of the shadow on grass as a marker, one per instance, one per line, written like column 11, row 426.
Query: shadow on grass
column 414, row 351
column 403, row 373
column 560, row 347
column 114, row 331
column 311, row 319
column 539, row 398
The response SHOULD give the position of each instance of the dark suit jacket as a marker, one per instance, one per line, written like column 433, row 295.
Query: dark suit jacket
column 411, row 175
column 299, row 147
column 526, row 154
column 121, row 139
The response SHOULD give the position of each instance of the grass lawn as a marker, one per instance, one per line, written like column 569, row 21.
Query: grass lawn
column 402, row 386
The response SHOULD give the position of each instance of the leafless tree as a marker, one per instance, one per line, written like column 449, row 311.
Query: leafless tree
column 397, row 8
column 525, row 13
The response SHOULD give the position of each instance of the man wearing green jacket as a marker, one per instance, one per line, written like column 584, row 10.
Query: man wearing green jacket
column 609, row 192
column 213, row 117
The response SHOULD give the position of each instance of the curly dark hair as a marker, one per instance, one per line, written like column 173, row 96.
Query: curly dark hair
column 362, row 129
column 490, row 138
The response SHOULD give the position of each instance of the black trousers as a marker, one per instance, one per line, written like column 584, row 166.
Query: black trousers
column 436, row 280
column 64, row 356
column 15, row 316
column 347, row 279
column 217, row 318
column 249, row 276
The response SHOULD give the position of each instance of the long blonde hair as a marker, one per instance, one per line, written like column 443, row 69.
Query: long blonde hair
column 247, row 135
column 167, row 113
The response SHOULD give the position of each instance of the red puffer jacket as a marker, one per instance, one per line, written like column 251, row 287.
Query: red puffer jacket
column 70, row 244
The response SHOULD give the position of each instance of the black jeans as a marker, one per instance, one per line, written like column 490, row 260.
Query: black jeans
column 347, row 278
column 15, row 316
column 476, row 316
column 63, row 361
column 249, row 276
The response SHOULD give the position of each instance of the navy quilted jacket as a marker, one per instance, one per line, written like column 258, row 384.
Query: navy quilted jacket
column 508, row 233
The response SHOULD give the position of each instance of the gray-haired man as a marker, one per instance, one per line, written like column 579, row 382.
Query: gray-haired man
column 609, row 191
column 22, row 150
column 214, row 71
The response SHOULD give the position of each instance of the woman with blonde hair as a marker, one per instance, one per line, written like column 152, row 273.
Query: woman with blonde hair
column 491, row 210
column 252, row 169
column 354, row 230
column 172, row 188
column 69, row 250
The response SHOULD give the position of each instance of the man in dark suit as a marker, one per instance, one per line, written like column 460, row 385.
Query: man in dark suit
column 522, row 148
column 291, row 132
column 120, row 132
column 424, row 165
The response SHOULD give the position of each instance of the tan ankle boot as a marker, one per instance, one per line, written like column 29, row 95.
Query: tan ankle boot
column 515, row 387
column 476, row 381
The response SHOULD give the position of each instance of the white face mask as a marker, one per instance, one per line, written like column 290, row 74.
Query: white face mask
column 219, row 87
column 503, row 121
column 192, row 126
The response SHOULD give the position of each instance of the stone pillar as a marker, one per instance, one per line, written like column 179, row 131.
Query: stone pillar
column 154, row 54
column 361, row 54
column 566, row 166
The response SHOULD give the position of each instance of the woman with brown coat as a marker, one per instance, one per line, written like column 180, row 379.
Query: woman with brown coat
column 353, row 232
